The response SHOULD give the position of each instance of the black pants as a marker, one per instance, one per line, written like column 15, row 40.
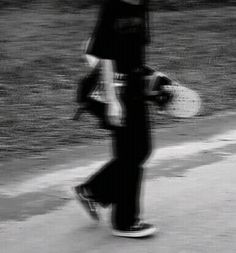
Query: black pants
column 119, row 182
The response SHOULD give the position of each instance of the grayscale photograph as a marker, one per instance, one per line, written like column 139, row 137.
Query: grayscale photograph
column 117, row 126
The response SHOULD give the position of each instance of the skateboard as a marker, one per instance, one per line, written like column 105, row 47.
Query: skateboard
column 169, row 96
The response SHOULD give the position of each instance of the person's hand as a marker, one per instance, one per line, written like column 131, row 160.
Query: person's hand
column 115, row 113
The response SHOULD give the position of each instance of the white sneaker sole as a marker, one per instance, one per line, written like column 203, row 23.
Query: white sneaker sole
column 139, row 234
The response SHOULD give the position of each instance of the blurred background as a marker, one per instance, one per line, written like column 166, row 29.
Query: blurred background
column 41, row 62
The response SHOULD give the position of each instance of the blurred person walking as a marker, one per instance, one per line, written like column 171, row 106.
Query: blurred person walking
column 119, row 41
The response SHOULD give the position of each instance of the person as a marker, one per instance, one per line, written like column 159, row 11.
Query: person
column 119, row 42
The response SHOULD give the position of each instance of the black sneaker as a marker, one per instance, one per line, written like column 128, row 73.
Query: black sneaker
column 88, row 203
column 138, row 230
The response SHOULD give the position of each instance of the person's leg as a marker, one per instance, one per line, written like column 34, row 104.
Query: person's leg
column 119, row 181
column 101, row 186
column 134, row 144
column 104, row 186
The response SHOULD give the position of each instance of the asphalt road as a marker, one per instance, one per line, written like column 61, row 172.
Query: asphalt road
column 189, row 193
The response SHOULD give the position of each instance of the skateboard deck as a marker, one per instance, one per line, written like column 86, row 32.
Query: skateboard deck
column 169, row 96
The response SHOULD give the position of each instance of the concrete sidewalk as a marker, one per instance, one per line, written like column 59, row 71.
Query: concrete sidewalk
column 189, row 193
column 195, row 213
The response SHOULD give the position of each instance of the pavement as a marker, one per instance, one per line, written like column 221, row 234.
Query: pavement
column 189, row 193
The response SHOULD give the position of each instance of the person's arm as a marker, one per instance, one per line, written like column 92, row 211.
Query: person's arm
column 115, row 112
column 102, row 46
